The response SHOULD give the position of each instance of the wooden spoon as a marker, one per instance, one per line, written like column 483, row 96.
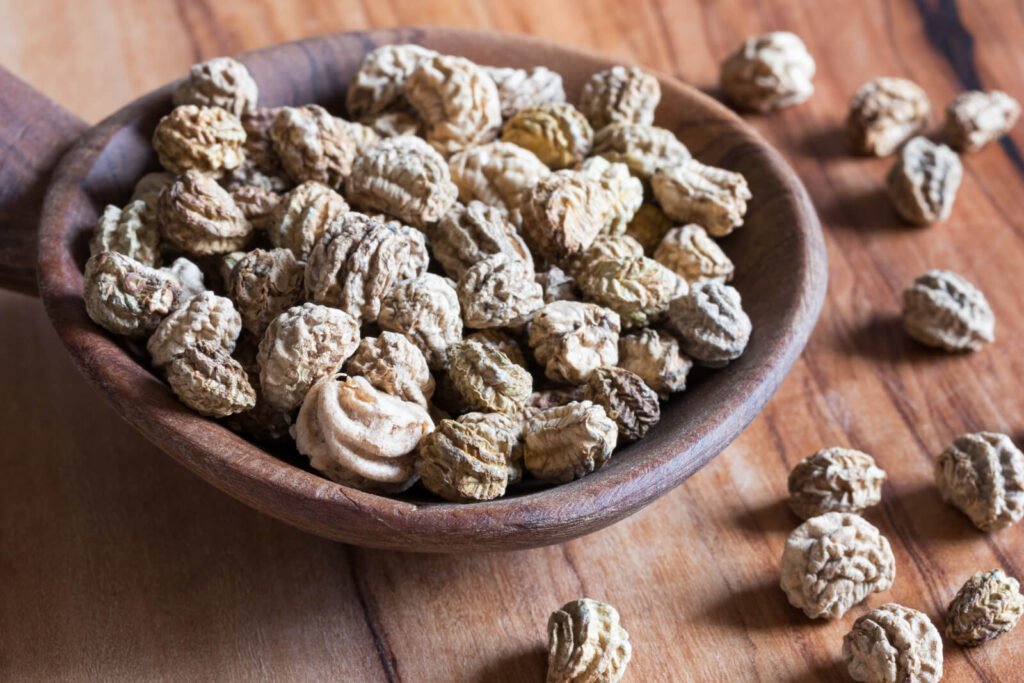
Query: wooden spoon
column 779, row 256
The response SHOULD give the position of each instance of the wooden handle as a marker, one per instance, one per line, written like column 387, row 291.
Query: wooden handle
column 35, row 132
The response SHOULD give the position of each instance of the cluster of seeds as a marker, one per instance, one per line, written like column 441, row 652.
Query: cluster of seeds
column 888, row 116
column 466, row 283
column 836, row 559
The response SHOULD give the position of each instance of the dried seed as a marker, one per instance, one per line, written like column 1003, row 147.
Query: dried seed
column 313, row 145
column 986, row 607
column 208, row 380
column 586, row 642
column 426, row 310
column 655, row 357
column 359, row 259
column 264, row 284
column 393, row 364
column 692, row 255
column 712, row 197
column 303, row 215
column 504, row 342
column 521, row 88
column 710, row 323
column 643, row 148
column 625, row 191
column 769, row 71
column 125, row 296
column 572, row 339
column 198, row 216
column 568, row 442
column 359, row 436
column 487, row 379
column 462, row 462
column 944, row 310
column 563, row 213
column 922, row 184
column 620, row 94
column 207, row 139
column 457, row 100
column 626, row 399
column 498, row 291
column 221, row 82
column 833, row 562
column 885, row 113
column 379, row 84
column 835, row 480
column 893, row 643
column 468, row 234
column 977, row 118
column 556, row 132
column 499, row 174
column 403, row 177
column 982, row 475
column 206, row 318
column 302, row 345
column 131, row 231
column 639, row 289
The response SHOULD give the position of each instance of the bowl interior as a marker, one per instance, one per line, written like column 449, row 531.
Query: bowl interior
column 780, row 271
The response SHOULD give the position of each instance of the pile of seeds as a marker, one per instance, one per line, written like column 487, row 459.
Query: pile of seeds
column 836, row 559
column 461, row 284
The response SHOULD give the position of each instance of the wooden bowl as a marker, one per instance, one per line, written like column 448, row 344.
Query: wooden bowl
column 780, row 265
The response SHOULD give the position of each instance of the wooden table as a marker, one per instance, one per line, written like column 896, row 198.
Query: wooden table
column 116, row 564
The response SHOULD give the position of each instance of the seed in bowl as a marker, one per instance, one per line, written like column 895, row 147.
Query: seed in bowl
column 556, row 132
column 620, row 95
column 431, row 286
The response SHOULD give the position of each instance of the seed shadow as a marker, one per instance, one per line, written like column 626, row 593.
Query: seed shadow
column 526, row 665
column 931, row 518
column 882, row 339
column 826, row 672
column 867, row 211
column 824, row 143
column 759, row 607
column 773, row 516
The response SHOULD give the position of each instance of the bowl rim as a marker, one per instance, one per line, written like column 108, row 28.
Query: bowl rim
column 323, row 507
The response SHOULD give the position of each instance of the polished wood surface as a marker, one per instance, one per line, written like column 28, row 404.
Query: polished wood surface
column 116, row 564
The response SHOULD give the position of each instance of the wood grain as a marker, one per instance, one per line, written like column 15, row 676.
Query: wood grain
column 118, row 565
column 34, row 134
